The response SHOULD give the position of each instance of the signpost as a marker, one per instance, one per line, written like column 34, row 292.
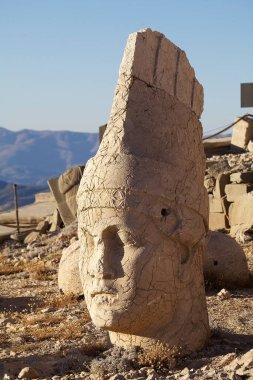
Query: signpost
column 246, row 95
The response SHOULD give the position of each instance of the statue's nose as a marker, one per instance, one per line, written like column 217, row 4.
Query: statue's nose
column 100, row 263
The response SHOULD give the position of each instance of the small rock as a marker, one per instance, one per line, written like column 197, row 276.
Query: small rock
column 224, row 294
column 7, row 377
column 28, row 373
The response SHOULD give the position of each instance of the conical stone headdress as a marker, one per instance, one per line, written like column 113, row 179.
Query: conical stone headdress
column 151, row 158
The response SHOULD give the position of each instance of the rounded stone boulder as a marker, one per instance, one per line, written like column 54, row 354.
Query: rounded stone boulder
column 69, row 281
column 225, row 263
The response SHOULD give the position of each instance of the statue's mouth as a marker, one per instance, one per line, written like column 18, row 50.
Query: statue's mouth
column 104, row 297
column 103, row 291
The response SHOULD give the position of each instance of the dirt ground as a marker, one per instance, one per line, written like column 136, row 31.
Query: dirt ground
column 52, row 333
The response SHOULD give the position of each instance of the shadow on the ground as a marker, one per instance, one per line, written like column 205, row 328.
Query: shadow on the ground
column 47, row 365
column 11, row 304
column 221, row 343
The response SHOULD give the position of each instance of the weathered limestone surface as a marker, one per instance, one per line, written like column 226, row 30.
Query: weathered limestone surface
column 218, row 221
column 235, row 190
column 68, row 275
column 242, row 133
column 142, row 206
column 241, row 211
column 64, row 189
column 215, row 204
column 225, row 263
column 218, row 204
column 240, row 177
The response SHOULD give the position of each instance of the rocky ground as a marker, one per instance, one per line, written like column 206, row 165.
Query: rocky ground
column 48, row 335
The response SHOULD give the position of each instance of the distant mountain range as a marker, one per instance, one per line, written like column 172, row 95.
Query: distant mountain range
column 29, row 157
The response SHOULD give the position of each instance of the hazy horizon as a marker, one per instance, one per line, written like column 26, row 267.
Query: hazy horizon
column 60, row 59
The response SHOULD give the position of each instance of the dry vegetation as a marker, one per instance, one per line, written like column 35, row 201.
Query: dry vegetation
column 159, row 357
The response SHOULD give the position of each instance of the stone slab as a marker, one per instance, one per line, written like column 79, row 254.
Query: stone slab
column 218, row 221
column 241, row 211
column 44, row 197
column 214, row 143
column 221, row 181
column 215, row 204
column 236, row 190
column 31, row 214
column 242, row 177
column 242, row 133
column 64, row 190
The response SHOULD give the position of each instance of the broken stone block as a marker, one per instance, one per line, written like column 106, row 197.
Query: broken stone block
column 64, row 189
column 215, row 204
column 69, row 280
column 241, row 211
column 142, row 205
column 218, row 221
column 31, row 237
column 224, row 294
column 234, row 190
column 221, row 181
column 245, row 177
column 225, row 264
column 55, row 221
column 41, row 229
column 44, row 197
column 217, row 146
column 242, row 133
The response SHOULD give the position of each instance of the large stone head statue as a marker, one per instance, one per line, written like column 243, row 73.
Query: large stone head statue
column 142, row 207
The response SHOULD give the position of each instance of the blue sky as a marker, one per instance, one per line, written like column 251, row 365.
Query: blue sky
column 60, row 58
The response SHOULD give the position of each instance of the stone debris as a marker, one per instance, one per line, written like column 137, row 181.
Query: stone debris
column 224, row 294
column 242, row 366
column 28, row 373
column 229, row 183
column 29, row 217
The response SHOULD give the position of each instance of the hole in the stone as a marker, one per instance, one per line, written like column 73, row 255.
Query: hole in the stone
column 165, row 212
column 215, row 262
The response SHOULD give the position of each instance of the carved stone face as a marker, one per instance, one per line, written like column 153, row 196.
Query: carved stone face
column 142, row 206
column 130, row 271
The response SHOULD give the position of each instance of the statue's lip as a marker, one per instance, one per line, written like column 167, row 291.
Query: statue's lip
column 103, row 291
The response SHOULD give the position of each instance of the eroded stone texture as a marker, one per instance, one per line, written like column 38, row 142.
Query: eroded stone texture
column 142, row 206
column 68, row 274
column 64, row 189
column 225, row 263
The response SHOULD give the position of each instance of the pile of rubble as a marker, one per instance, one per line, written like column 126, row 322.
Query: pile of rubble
column 229, row 183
